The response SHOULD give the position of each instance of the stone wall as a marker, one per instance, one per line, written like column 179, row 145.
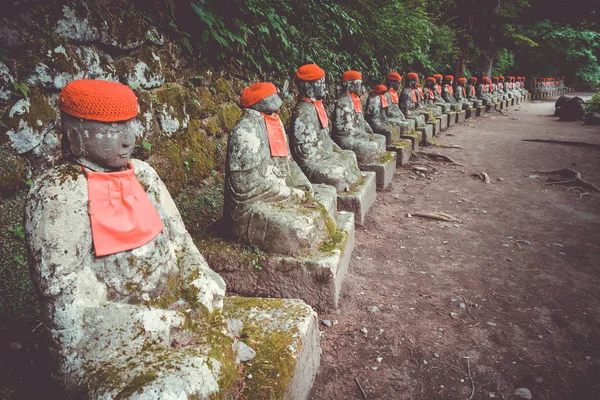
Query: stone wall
column 187, row 108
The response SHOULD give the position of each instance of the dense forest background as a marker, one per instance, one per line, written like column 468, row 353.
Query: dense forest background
column 464, row 37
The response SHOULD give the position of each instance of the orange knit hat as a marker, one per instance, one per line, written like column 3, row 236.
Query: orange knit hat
column 394, row 76
column 449, row 78
column 412, row 75
column 257, row 92
column 310, row 72
column 501, row 78
column 380, row 89
column 495, row 78
column 98, row 100
column 438, row 76
column 474, row 79
column 430, row 79
column 463, row 80
column 351, row 76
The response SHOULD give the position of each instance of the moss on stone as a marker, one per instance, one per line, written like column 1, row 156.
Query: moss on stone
column 405, row 143
column 137, row 385
column 385, row 157
column 213, row 128
column 13, row 172
column 336, row 241
column 223, row 86
column 207, row 105
column 40, row 114
column 229, row 114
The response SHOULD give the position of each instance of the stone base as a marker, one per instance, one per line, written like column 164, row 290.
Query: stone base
column 444, row 122
column 480, row 111
column 460, row 117
column 426, row 133
column 438, row 127
column 403, row 150
column 360, row 198
column 315, row 277
column 451, row 119
column 285, row 335
column 469, row 113
column 414, row 137
column 384, row 169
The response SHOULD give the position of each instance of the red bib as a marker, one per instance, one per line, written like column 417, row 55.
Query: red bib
column 394, row 96
column 384, row 102
column 473, row 90
column 421, row 93
column 464, row 91
column 414, row 95
column 450, row 89
column 356, row 102
column 439, row 89
column 121, row 214
column 320, row 111
column 431, row 94
column 276, row 135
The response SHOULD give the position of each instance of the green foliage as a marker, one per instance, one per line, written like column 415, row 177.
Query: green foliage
column 593, row 105
column 17, row 231
column 21, row 89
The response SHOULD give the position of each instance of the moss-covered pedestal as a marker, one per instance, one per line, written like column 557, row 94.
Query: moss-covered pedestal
column 444, row 122
column 426, row 133
column 461, row 116
column 451, row 118
column 384, row 169
column 415, row 137
column 403, row 150
column 359, row 198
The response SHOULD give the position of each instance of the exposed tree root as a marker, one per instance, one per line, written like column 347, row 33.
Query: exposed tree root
column 565, row 143
column 569, row 175
column 439, row 156
column 483, row 176
column 436, row 215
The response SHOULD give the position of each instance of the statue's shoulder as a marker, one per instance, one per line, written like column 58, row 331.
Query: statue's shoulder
column 61, row 183
column 344, row 100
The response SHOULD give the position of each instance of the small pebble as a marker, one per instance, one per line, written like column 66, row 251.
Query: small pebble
column 492, row 324
column 523, row 393
column 462, row 305
column 364, row 331
column 539, row 380
column 326, row 322
column 373, row 309
column 588, row 358
column 436, row 355
column 425, row 362
column 379, row 359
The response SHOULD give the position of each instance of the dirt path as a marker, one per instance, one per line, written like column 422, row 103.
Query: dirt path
column 524, row 259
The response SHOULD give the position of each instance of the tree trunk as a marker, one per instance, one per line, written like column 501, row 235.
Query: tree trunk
column 465, row 41
column 494, row 10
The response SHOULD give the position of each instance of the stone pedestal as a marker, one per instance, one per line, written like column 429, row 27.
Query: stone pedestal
column 451, row 119
column 469, row 113
column 460, row 117
column 444, row 121
column 480, row 111
column 403, row 150
column 414, row 137
column 285, row 335
column 426, row 133
column 360, row 198
column 512, row 102
column 438, row 127
column 315, row 278
column 384, row 169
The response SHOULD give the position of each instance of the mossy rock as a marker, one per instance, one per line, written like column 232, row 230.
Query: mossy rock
column 40, row 114
column 229, row 114
column 201, row 208
column 13, row 172
column 207, row 106
column 222, row 86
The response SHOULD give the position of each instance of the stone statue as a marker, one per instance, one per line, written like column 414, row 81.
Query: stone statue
column 409, row 100
column 448, row 93
column 350, row 130
column 320, row 158
column 430, row 99
column 376, row 114
column 483, row 91
column 393, row 112
column 437, row 91
column 472, row 92
column 263, row 184
column 460, row 94
column 121, row 283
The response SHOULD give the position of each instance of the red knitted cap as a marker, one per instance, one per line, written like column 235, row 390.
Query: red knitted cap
column 449, row 78
column 351, row 76
column 495, row 77
column 380, row 89
column 430, row 79
column 412, row 75
column 462, row 80
column 474, row 79
column 257, row 92
column 438, row 76
column 394, row 76
column 98, row 100
column 310, row 72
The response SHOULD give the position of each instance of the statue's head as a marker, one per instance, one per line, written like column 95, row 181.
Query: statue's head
column 430, row 82
column 495, row 79
column 438, row 78
column 352, row 82
column 394, row 80
column 412, row 80
column 261, row 97
column 461, row 81
column 97, row 123
column 473, row 80
column 380, row 89
column 449, row 80
column 310, row 80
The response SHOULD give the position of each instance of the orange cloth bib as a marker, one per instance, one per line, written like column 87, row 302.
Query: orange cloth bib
column 384, row 102
column 421, row 93
column 464, row 91
column 431, row 95
column 414, row 95
column 277, row 143
column 473, row 90
column 356, row 102
column 450, row 89
column 320, row 111
column 121, row 214
column 439, row 89
column 394, row 96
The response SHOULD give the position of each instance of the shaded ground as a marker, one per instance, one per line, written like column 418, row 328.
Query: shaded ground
column 524, row 259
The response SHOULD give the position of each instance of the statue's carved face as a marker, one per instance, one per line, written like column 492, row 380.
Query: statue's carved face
column 429, row 84
column 355, row 86
column 449, row 82
column 268, row 105
column 393, row 85
column 412, row 83
column 106, row 144
column 438, row 81
column 313, row 89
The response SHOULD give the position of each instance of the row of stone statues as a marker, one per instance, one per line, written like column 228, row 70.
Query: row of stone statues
column 127, row 299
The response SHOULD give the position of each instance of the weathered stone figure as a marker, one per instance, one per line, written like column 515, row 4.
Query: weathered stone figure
column 320, row 158
column 430, row 97
column 376, row 114
column 109, row 254
column 263, row 183
column 350, row 130
column 483, row 91
column 448, row 93
column 472, row 92
column 437, row 91
column 409, row 100
column 393, row 112
column 460, row 94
